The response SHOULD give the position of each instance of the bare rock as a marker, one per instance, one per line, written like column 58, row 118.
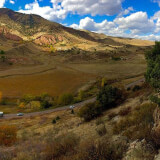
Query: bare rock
column 139, row 150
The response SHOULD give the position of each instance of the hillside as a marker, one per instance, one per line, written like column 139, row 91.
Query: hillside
column 17, row 26
column 35, row 47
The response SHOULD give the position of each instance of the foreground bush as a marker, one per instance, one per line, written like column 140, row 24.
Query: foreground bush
column 103, row 150
column 109, row 97
column 90, row 111
column 63, row 145
column 138, row 123
column 8, row 135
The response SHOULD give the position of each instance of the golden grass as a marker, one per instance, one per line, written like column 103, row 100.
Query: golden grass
column 53, row 83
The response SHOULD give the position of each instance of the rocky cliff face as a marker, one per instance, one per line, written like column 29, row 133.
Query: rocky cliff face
column 48, row 39
column 7, row 34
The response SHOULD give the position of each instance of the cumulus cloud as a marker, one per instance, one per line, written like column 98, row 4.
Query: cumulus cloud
column 136, row 25
column 2, row 2
column 56, row 13
column 61, row 8
column 126, row 11
column 93, row 7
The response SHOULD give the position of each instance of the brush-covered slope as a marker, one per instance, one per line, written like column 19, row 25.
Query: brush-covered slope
column 18, row 27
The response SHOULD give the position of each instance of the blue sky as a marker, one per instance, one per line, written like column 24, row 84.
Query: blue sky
column 125, row 18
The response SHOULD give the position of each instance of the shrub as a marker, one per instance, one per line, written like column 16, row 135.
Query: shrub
column 109, row 97
column 53, row 121
column 8, row 135
column 103, row 150
column 155, row 99
column 101, row 130
column 136, row 88
column 72, row 111
column 116, row 58
column 35, row 104
column 61, row 146
column 138, row 123
column 99, row 121
column 45, row 104
column 124, row 111
column 57, row 118
column 27, row 98
column 90, row 111
column 3, row 102
column 22, row 105
column 81, row 95
column 65, row 99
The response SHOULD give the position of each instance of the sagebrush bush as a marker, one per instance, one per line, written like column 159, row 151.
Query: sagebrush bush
column 103, row 150
column 61, row 146
column 101, row 130
column 138, row 123
column 90, row 111
column 99, row 121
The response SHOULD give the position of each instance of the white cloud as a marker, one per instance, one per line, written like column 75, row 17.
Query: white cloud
column 93, row 7
column 2, row 2
column 61, row 8
column 105, row 26
column 47, row 12
column 12, row 2
column 126, row 11
column 137, row 23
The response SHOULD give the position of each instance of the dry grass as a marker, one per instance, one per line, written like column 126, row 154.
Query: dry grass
column 55, row 83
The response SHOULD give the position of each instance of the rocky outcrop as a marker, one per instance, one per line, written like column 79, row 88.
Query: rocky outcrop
column 156, row 128
column 7, row 34
column 48, row 40
column 140, row 150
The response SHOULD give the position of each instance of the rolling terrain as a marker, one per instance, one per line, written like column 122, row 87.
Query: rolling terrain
column 43, row 56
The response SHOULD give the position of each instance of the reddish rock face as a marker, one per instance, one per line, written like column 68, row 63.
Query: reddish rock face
column 48, row 40
column 4, row 32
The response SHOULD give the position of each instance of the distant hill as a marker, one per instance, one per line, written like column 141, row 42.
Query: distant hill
column 29, row 27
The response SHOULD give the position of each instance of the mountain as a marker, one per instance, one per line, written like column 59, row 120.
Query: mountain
column 29, row 27
column 19, row 26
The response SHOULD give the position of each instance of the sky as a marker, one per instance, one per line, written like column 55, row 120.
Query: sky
column 120, row 18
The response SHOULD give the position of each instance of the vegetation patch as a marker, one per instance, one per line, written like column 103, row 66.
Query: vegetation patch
column 138, row 123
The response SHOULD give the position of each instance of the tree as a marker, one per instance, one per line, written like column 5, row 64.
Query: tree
column 65, row 99
column 152, row 74
column 90, row 111
column 2, row 55
column 109, row 96
column 81, row 95
column 153, row 66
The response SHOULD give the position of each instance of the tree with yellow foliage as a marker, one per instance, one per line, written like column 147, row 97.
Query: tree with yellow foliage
column 104, row 81
column 22, row 105
column 53, row 50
